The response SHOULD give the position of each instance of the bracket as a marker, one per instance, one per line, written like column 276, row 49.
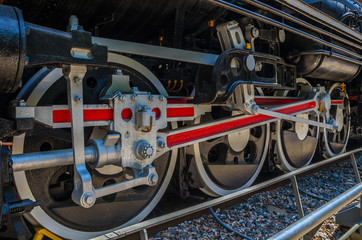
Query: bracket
column 83, row 192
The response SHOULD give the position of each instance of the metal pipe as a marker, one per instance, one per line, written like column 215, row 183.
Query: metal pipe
column 312, row 220
column 56, row 158
column 351, row 230
column 289, row 17
column 248, row 13
column 320, row 17
column 329, row 53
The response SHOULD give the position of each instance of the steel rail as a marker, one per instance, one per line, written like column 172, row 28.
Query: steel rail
column 141, row 228
column 312, row 220
column 320, row 17
column 294, row 19
column 251, row 14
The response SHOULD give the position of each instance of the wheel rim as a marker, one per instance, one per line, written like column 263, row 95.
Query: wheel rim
column 51, row 214
column 334, row 143
column 296, row 142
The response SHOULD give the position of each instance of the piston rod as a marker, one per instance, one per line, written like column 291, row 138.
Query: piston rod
column 56, row 158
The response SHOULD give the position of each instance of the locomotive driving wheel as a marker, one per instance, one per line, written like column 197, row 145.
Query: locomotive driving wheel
column 53, row 186
column 296, row 141
column 334, row 143
column 232, row 162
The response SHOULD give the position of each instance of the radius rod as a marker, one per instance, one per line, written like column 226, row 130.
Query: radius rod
column 267, row 20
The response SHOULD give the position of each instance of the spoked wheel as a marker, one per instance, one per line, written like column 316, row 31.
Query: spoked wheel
column 230, row 163
column 53, row 186
column 334, row 143
column 296, row 142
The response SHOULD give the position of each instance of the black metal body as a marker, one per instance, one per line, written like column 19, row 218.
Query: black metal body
column 12, row 48
column 42, row 47
column 50, row 47
column 224, row 79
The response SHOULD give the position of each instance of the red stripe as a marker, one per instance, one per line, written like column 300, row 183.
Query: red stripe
column 178, row 100
column 275, row 101
column 184, row 137
column 180, row 112
column 337, row 101
column 60, row 116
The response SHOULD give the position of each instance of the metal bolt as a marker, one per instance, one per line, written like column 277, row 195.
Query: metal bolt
column 160, row 144
column 149, row 150
column 119, row 72
column 78, row 80
column 22, row 103
column 134, row 97
column 88, row 199
column 150, row 98
column 258, row 66
column 255, row 109
column 144, row 150
column 73, row 23
column 153, row 179
column 161, row 98
column 121, row 97
column 254, row 32
column 77, row 99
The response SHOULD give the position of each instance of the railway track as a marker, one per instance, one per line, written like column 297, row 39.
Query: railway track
column 152, row 226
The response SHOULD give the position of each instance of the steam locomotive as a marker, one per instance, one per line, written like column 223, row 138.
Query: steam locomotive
column 106, row 104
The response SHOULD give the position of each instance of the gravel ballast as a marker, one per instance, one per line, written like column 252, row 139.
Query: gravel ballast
column 269, row 212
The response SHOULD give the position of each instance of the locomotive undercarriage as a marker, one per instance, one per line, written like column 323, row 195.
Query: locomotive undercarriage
column 96, row 133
